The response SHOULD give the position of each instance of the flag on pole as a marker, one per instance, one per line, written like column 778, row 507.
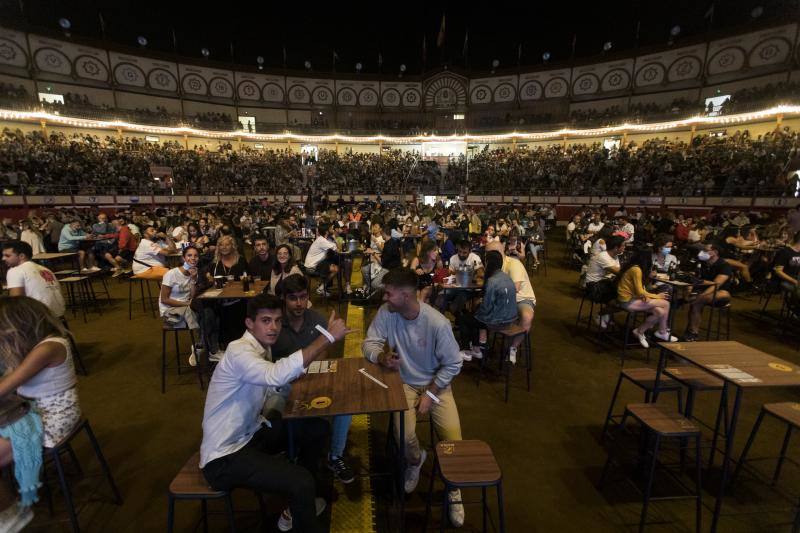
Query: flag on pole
column 174, row 41
column 638, row 27
column 424, row 50
column 102, row 25
column 284, row 56
column 335, row 59
column 710, row 13
column 440, row 37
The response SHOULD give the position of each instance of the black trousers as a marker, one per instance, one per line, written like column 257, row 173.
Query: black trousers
column 261, row 466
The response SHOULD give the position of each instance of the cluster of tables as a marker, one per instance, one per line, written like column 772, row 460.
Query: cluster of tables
column 741, row 368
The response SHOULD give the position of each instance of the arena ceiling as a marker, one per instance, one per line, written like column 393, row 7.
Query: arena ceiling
column 394, row 31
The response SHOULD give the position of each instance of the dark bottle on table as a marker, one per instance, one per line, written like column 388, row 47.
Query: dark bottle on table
column 245, row 282
column 671, row 271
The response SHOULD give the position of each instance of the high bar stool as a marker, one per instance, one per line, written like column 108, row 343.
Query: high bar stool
column 466, row 464
column 660, row 422
column 719, row 309
column 645, row 379
column 190, row 484
column 631, row 321
column 79, row 294
column 54, row 454
column 165, row 330
column 143, row 282
column 507, row 336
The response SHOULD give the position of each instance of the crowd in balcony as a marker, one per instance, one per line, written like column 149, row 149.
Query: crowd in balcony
column 738, row 164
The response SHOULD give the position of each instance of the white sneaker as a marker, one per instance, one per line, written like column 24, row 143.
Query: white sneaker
column 285, row 521
column 347, row 289
column 412, row 473
column 466, row 355
column 192, row 357
column 85, row 271
column 604, row 320
column 642, row 338
column 476, row 351
column 667, row 337
column 512, row 355
column 456, row 509
column 15, row 518
column 216, row 357
column 94, row 269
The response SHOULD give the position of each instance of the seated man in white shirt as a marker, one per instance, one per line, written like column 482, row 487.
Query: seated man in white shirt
column 605, row 265
column 150, row 259
column 322, row 259
column 240, row 448
column 456, row 301
column 26, row 278
column 595, row 225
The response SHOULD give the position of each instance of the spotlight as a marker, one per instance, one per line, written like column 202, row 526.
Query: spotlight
column 142, row 40
column 307, row 64
column 495, row 63
column 403, row 67
column 607, row 46
column 546, row 56
column 675, row 31
column 206, row 52
column 358, row 67
column 260, row 61
column 64, row 23
column 757, row 12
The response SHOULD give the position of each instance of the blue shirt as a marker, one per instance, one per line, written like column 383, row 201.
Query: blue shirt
column 68, row 240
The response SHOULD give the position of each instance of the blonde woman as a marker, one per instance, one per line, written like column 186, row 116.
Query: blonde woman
column 36, row 354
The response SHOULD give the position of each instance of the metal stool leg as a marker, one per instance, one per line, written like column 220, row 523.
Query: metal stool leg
column 611, row 408
column 698, row 468
column 163, row 360
column 229, row 512
column 500, row 510
column 783, row 454
column 103, row 464
column 170, row 513
column 62, row 479
column 649, row 485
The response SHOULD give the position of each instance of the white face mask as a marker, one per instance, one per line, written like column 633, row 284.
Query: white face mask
column 703, row 256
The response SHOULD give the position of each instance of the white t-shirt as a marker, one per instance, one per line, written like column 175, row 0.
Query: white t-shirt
column 516, row 271
column 629, row 229
column 317, row 251
column 33, row 238
column 181, row 286
column 594, row 228
column 599, row 265
column 148, row 253
column 472, row 260
column 39, row 283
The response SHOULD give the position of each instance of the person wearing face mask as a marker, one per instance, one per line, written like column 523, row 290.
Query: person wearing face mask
column 178, row 288
column 663, row 259
column 718, row 271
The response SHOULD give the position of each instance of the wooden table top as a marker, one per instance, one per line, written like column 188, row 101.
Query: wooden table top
column 737, row 363
column 678, row 283
column 53, row 255
column 233, row 290
column 348, row 390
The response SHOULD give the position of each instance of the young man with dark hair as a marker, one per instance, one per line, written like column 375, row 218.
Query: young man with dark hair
column 715, row 269
column 299, row 329
column 260, row 266
column 786, row 265
column 26, row 278
column 322, row 258
column 422, row 347
column 241, row 448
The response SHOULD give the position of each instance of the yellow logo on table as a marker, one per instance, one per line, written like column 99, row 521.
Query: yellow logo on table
column 781, row 367
column 320, row 402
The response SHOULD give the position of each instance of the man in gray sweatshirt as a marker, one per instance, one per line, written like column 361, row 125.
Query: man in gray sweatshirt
column 422, row 347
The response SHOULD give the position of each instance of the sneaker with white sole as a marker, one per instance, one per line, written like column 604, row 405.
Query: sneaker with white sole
column 666, row 337
column 412, row 473
column 642, row 338
column 466, row 355
column 456, row 508
column 216, row 357
column 476, row 351
column 285, row 521
column 604, row 320
column 512, row 355
column 94, row 269
column 340, row 470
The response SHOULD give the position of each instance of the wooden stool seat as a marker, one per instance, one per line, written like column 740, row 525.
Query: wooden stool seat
column 789, row 412
column 646, row 379
column 191, row 482
column 467, row 462
column 663, row 420
column 694, row 377
column 73, row 279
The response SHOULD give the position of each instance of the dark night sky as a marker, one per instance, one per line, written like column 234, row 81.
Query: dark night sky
column 359, row 30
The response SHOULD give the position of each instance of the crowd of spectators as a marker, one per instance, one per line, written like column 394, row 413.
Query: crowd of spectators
column 735, row 165
column 729, row 165
column 13, row 92
column 748, row 99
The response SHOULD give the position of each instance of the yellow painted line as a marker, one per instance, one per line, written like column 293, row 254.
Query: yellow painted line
column 356, row 516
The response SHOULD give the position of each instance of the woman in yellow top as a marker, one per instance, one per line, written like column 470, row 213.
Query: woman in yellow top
column 632, row 296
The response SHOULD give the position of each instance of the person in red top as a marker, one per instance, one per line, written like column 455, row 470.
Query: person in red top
column 354, row 215
column 126, row 242
column 682, row 230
